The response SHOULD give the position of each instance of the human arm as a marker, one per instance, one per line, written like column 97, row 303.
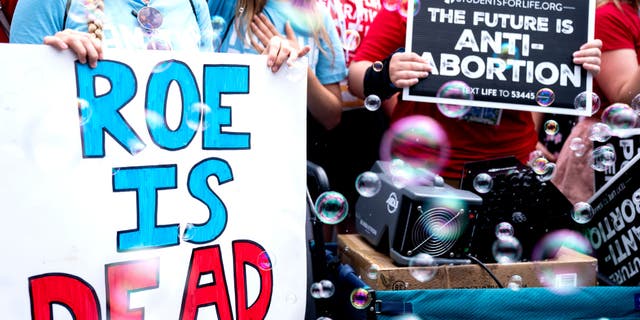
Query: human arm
column 405, row 70
column 270, row 42
column 34, row 19
column 619, row 78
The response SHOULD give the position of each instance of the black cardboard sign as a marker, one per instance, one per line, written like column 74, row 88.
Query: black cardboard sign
column 511, row 54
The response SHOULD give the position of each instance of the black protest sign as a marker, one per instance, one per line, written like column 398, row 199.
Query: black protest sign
column 626, row 144
column 507, row 54
column 614, row 231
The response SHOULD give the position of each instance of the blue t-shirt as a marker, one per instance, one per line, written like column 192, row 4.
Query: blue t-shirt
column 181, row 28
column 328, row 65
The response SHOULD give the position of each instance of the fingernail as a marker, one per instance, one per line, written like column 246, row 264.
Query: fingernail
column 274, row 69
column 270, row 62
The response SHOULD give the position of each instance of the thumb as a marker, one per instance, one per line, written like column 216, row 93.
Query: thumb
column 291, row 35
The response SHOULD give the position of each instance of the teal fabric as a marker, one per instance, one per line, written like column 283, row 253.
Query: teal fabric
column 35, row 19
column 601, row 303
column 327, row 63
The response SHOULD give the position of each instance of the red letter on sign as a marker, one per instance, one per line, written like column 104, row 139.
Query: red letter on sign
column 206, row 261
column 66, row 290
column 250, row 253
column 124, row 277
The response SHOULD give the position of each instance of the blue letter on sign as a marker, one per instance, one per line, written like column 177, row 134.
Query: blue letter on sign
column 146, row 181
column 157, row 91
column 218, row 80
column 103, row 112
column 199, row 189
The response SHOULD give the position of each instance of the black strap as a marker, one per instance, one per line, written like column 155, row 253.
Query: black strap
column 4, row 22
column 66, row 13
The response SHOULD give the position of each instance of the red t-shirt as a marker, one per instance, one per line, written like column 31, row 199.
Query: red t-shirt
column 618, row 29
column 8, row 6
column 515, row 135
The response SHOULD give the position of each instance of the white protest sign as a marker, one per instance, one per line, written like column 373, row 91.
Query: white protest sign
column 159, row 185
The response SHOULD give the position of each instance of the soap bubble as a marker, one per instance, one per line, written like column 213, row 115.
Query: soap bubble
column 504, row 229
column 515, row 282
column 548, row 172
column 316, row 290
column 351, row 40
column 603, row 157
column 360, row 298
column 551, row 127
column 403, row 9
column 422, row 267
column 454, row 90
column 505, row 55
column 539, row 165
column 373, row 271
column 582, row 212
column 599, row 132
column 391, row 5
column 377, row 66
column 619, row 116
column 218, row 23
column 635, row 104
column 577, row 146
column 331, row 207
column 548, row 246
column 327, row 289
column 545, row 97
column 483, row 183
column 580, row 101
column 372, row 102
column 368, row 184
column 419, row 141
column 264, row 261
column 507, row 250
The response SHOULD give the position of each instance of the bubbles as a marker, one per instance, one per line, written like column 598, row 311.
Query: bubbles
column 518, row 217
column 582, row 212
column 85, row 111
column 198, row 110
column 360, row 298
column 454, row 90
column 419, row 141
column 548, row 172
column 577, row 146
column 377, row 66
column 619, row 116
column 372, row 102
column 580, row 101
column 507, row 250
column 515, row 282
column 505, row 53
column 422, row 267
column 331, row 207
column 316, row 290
column 539, row 165
column 327, row 288
column 264, row 261
column 545, row 97
column 483, row 183
column 599, row 132
column 162, row 67
column 504, row 229
column 635, row 104
column 351, row 40
column 391, row 5
column 603, row 157
column 403, row 9
column 548, row 246
column 322, row 290
column 551, row 127
column 368, row 184
column 373, row 272
column 218, row 23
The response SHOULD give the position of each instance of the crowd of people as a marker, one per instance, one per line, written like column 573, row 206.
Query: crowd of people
column 341, row 72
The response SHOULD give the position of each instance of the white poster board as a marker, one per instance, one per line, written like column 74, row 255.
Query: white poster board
column 117, row 205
